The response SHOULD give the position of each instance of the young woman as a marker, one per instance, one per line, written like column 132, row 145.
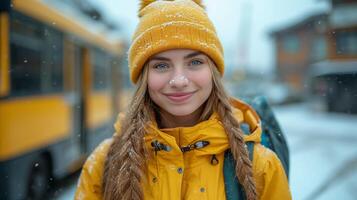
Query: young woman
column 170, row 144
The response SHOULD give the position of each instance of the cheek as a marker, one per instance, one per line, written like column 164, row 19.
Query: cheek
column 204, row 79
column 156, row 81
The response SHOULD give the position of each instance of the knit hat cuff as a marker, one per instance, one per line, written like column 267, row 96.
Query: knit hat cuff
column 174, row 35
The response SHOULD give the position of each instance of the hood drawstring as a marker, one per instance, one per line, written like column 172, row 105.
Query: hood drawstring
column 197, row 145
column 214, row 160
column 160, row 146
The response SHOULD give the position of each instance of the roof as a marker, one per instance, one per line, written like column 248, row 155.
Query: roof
column 307, row 21
column 344, row 16
column 329, row 67
column 69, row 24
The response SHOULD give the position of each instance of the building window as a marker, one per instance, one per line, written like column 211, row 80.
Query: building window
column 346, row 43
column 291, row 43
column 319, row 48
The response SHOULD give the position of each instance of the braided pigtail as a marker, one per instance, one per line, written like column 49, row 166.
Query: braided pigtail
column 124, row 166
column 239, row 151
column 220, row 102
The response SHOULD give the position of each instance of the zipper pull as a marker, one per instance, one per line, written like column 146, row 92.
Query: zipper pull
column 201, row 144
column 197, row 145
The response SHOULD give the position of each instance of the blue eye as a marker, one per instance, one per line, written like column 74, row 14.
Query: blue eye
column 161, row 66
column 196, row 62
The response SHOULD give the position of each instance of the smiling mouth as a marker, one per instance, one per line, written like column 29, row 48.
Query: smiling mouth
column 179, row 97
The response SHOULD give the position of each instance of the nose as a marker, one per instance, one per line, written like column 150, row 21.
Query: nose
column 179, row 81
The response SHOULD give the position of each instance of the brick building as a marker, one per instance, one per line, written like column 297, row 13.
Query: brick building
column 318, row 56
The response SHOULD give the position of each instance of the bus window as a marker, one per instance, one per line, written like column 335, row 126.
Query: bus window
column 36, row 57
column 100, row 70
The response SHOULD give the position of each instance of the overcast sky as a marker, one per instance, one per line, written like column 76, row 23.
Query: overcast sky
column 241, row 24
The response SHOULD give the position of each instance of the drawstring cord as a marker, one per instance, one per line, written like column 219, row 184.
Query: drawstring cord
column 159, row 146
column 214, row 160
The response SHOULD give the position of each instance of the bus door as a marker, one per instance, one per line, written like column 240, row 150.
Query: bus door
column 81, row 104
column 73, row 65
column 80, row 90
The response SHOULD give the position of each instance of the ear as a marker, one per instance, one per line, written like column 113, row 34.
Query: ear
column 144, row 3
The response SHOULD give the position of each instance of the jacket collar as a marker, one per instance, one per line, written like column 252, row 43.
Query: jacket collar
column 210, row 129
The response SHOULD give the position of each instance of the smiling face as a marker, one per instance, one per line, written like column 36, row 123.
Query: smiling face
column 180, row 81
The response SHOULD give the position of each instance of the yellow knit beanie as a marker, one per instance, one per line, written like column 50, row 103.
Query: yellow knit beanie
column 165, row 25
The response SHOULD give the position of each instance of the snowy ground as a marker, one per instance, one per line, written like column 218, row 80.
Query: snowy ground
column 323, row 154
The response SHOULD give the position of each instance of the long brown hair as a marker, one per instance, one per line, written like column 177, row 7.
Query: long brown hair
column 125, row 163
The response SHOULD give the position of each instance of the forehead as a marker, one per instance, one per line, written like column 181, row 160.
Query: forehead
column 177, row 53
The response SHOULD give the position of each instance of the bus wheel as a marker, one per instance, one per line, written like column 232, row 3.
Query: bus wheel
column 38, row 184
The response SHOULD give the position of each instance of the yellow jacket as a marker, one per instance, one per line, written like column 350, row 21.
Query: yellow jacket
column 175, row 175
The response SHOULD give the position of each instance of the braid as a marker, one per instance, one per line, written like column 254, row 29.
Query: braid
column 243, row 165
column 124, row 166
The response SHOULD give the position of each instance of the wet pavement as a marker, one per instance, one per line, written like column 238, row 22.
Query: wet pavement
column 64, row 189
column 323, row 155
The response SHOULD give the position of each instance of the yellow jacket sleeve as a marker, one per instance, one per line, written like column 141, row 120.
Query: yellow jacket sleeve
column 270, row 176
column 89, row 185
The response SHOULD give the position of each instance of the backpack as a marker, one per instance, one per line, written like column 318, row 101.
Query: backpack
column 272, row 137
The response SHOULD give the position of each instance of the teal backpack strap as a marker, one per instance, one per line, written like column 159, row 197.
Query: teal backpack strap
column 234, row 190
column 250, row 147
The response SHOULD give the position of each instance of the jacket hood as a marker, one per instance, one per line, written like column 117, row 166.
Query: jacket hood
column 248, row 117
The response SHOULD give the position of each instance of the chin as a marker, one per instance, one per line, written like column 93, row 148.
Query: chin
column 181, row 111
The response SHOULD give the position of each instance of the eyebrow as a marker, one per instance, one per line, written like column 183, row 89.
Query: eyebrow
column 190, row 55
column 159, row 58
column 193, row 54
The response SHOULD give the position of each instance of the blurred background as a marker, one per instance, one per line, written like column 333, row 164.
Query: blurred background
column 64, row 78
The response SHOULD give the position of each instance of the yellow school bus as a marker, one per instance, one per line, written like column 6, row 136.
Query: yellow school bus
column 59, row 81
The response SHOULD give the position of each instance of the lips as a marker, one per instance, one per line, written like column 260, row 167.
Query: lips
column 179, row 96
